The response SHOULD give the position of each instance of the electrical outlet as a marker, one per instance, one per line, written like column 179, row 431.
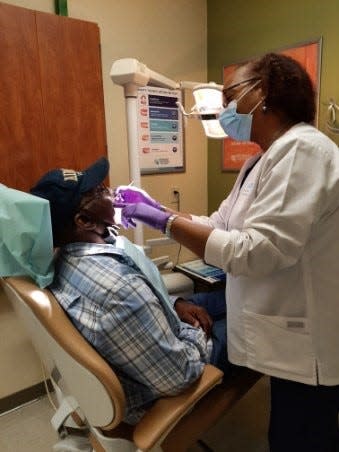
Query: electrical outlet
column 175, row 193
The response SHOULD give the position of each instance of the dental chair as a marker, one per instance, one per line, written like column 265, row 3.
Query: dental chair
column 90, row 398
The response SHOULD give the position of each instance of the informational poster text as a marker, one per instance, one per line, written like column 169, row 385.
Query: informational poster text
column 160, row 133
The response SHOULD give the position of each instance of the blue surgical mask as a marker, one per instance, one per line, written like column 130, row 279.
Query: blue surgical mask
column 237, row 125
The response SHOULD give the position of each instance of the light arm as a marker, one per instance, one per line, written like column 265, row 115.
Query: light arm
column 131, row 74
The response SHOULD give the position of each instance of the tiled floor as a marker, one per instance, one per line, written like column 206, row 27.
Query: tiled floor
column 28, row 429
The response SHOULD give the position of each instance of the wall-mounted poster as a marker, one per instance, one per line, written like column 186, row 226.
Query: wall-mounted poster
column 234, row 153
column 160, row 140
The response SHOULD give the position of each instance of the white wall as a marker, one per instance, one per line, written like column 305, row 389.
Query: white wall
column 40, row 5
column 169, row 36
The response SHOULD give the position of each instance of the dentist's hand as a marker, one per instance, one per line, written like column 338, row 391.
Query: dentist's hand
column 149, row 215
column 125, row 194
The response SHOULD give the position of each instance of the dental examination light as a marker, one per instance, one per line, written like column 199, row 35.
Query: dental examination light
column 131, row 74
column 208, row 104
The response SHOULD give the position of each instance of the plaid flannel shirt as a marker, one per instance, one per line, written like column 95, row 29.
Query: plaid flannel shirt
column 117, row 310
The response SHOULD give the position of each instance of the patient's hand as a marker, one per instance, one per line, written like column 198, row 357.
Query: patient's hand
column 196, row 316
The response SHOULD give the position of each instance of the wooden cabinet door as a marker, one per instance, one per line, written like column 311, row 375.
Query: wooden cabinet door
column 72, row 93
column 21, row 108
column 51, row 104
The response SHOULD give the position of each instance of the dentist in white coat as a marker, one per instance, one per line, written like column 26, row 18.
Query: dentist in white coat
column 277, row 237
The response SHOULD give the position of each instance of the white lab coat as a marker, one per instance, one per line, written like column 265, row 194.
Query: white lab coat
column 278, row 238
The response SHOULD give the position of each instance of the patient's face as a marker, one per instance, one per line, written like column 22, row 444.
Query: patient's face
column 98, row 204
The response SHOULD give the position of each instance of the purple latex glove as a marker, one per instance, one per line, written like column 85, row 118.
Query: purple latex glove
column 125, row 194
column 149, row 215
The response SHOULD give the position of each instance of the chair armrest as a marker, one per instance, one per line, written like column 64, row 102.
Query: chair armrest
column 166, row 412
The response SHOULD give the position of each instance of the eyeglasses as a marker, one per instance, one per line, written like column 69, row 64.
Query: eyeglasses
column 226, row 97
column 97, row 192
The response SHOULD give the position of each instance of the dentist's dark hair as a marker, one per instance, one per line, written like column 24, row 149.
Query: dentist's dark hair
column 286, row 85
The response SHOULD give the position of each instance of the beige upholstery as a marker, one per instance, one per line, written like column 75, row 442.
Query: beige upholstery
column 173, row 422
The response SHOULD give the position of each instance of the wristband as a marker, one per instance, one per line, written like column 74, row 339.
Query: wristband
column 169, row 224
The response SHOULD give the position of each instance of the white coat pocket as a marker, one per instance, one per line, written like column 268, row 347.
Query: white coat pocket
column 281, row 345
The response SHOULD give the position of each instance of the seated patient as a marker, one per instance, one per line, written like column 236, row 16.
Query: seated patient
column 115, row 296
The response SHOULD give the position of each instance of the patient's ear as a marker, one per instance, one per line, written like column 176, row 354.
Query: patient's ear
column 84, row 222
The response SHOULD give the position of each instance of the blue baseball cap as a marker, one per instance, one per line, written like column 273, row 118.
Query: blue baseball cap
column 64, row 188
